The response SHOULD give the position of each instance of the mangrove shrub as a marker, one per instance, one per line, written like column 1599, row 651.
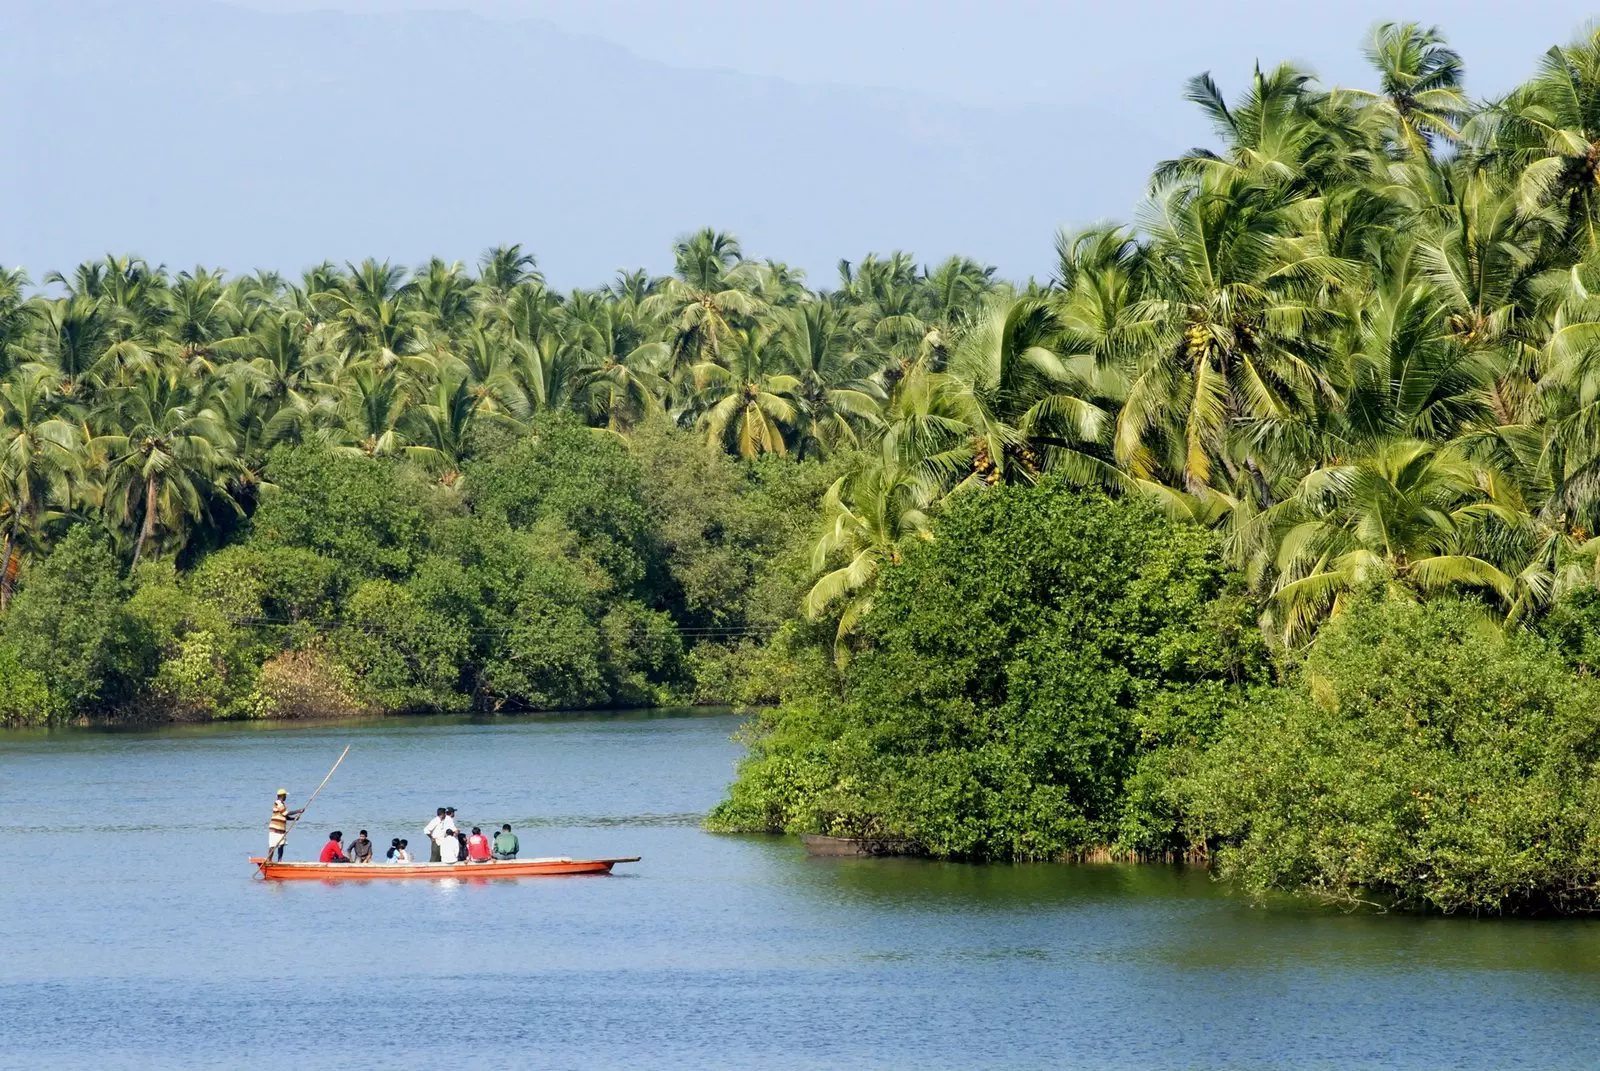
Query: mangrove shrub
column 1045, row 650
column 1419, row 757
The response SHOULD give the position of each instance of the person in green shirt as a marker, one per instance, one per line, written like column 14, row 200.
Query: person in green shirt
column 505, row 844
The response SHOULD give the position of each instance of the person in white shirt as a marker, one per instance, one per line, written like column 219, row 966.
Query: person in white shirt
column 431, row 831
column 449, row 848
column 447, row 834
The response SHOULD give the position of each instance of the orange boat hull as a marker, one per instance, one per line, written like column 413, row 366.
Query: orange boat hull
column 500, row 868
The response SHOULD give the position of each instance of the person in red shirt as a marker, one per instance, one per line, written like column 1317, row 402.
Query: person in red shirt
column 333, row 851
column 478, row 846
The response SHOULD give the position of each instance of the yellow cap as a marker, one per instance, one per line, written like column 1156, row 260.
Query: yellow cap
column 283, row 792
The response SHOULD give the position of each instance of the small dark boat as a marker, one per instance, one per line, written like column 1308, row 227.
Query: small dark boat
column 818, row 844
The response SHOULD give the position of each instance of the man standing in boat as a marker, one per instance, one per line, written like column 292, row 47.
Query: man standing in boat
column 278, row 825
column 432, row 832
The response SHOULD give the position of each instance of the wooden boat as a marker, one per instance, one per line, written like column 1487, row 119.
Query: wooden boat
column 819, row 844
column 499, row 868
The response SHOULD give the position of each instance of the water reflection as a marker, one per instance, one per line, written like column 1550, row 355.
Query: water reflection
column 715, row 951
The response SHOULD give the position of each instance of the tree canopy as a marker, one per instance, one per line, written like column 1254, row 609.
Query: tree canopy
column 1018, row 560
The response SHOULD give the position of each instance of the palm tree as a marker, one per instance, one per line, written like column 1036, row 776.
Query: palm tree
column 372, row 314
column 70, row 339
column 707, row 300
column 199, row 319
column 1283, row 135
column 441, row 426
column 39, row 454
column 15, row 317
column 622, row 378
column 132, row 307
column 504, row 269
column 866, row 518
column 1483, row 261
column 372, row 412
column 885, row 311
column 952, row 296
column 487, row 358
column 1402, row 371
column 747, row 406
column 835, row 391
column 1547, row 133
column 1027, row 406
column 165, row 454
column 1229, row 338
column 704, row 258
column 444, row 294
column 1410, row 514
column 1419, row 99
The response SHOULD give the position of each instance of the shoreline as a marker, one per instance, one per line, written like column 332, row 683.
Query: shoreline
column 92, row 726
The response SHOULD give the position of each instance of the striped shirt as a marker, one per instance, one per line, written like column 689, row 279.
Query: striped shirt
column 280, row 818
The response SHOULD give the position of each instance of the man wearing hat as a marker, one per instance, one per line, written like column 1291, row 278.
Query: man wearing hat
column 278, row 827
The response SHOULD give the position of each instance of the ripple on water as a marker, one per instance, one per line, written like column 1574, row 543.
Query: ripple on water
column 136, row 937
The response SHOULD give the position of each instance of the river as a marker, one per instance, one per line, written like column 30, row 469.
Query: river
column 133, row 934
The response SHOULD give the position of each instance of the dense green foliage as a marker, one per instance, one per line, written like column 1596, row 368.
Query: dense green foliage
column 1420, row 756
column 1357, row 341
column 1044, row 651
column 1028, row 571
column 552, row 573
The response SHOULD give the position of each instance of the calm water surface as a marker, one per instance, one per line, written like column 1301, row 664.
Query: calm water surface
column 133, row 935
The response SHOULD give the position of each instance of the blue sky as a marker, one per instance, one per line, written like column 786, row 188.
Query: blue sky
column 274, row 133
column 1021, row 51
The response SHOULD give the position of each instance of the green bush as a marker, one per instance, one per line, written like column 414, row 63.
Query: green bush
column 404, row 654
column 572, row 479
column 1419, row 757
column 259, row 582
column 69, row 626
column 24, row 698
column 203, row 666
column 1020, row 670
column 360, row 512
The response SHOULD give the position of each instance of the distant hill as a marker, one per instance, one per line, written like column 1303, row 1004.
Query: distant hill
column 187, row 131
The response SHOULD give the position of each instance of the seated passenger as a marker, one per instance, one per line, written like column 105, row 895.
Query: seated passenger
column 449, row 849
column 402, row 853
column 478, row 846
column 505, row 844
column 361, row 848
column 333, row 851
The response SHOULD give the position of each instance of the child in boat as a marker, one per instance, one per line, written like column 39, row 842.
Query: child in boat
column 403, row 854
column 397, row 852
column 478, row 846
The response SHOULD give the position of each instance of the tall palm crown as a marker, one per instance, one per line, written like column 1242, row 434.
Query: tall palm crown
column 165, row 454
column 1419, row 100
column 1547, row 134
column 1358, row 334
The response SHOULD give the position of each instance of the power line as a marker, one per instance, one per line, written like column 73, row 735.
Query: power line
column 694, row 632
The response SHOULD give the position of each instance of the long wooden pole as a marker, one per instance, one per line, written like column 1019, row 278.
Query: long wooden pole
column 335, row 766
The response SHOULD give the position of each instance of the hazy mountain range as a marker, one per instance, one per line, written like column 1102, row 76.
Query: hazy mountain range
column 194, row 131
column 191, row 132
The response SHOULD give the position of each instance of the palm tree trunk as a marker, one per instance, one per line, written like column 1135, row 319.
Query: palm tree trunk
column 148, row 528
column 5, row 563
column 1263, row 492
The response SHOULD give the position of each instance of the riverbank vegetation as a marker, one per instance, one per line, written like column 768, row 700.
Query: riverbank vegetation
column 1261, row 533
